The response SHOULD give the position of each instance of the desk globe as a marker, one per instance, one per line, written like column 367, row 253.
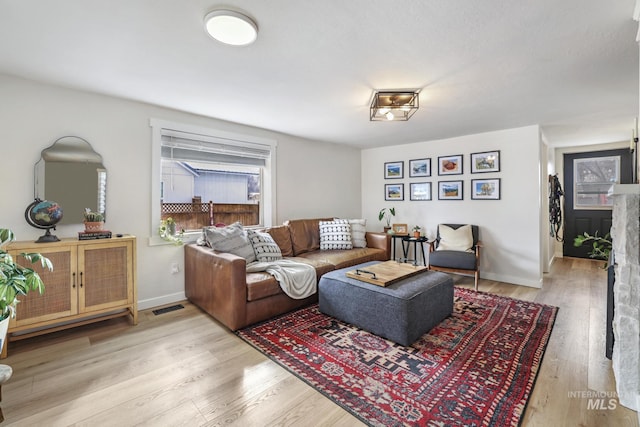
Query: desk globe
column 44, row 214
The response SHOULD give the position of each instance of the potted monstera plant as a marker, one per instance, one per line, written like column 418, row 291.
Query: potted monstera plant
column 16, row 280
column 385, row 215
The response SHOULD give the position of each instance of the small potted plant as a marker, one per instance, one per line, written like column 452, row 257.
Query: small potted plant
column 416, row 231
column 16, row 280
column 386, row 214
column 168, row 232
column 93, row 221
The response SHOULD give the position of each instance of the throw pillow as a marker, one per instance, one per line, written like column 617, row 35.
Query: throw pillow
column 232, row 239
column 282, row 237
column 358, row 231
column 460, row 239
column 335, row 235
column 265, row 248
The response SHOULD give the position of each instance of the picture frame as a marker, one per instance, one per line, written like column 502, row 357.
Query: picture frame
column 419, row 168
column 485, row 189
column 450, row 165
column 450, row 190
column 487, row 161
column 400, row 228
column 420, row 191
column 394, row 192
column 394, row 170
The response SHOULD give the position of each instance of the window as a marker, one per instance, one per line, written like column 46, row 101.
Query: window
column 592, row 180
column 205, row 176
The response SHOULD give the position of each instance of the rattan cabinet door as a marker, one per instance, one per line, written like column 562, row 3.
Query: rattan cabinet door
column 60, row 297
column 106, row 276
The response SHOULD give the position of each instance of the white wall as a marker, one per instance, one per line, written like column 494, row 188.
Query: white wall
column 313, row 179
column 547, row 168
column 510, row 227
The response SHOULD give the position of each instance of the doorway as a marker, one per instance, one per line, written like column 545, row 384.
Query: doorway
column 587, row 180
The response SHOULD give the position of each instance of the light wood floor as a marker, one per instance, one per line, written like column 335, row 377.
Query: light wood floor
column 183, row 368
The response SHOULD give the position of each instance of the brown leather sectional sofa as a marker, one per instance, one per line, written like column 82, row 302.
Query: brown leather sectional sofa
column 218, row 282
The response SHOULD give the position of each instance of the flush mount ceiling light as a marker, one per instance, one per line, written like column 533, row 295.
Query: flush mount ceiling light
column 230, row 27
column 393, row 106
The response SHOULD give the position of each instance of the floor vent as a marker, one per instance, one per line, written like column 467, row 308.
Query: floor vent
column 168, row 309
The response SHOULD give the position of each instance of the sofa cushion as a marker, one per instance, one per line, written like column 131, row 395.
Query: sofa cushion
column 282, row 237
column 335, row 235
column 232, row 239
column 261, row 285
column 305, row 234
column 265, row 248
column 346, row 258
column 451, row 239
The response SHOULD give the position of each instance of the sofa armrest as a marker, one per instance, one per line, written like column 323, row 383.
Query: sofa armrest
column 379, row 241
column 217, row 283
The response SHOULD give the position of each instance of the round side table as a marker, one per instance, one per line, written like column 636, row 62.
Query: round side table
column 405, row 248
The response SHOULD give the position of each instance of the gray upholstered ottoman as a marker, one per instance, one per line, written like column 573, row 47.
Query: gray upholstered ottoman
column 401, row 312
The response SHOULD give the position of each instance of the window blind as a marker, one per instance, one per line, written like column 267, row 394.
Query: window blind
column 183, row 146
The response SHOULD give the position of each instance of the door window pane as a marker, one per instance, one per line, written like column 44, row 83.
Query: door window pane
column 592, row 180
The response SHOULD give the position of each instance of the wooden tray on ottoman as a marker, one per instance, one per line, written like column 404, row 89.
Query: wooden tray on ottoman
column 385, row 273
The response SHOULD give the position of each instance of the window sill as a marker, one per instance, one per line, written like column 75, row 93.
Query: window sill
column 187, row 238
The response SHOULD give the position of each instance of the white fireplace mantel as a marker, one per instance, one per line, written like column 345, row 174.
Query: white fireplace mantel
column 625, row 235
column 620, row 189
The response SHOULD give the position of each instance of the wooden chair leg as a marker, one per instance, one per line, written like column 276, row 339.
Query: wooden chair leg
column 1, row 414
column 477, row 276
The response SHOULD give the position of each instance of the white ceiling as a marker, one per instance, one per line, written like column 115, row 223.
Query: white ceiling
column 568, row 65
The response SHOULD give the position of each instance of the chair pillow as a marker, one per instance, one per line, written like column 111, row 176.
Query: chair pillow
column 232, row 239
column 460, row 239
column 335, row 235
column 265, row 248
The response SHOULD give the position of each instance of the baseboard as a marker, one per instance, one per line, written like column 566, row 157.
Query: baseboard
column 159, row 301
column 511, row 279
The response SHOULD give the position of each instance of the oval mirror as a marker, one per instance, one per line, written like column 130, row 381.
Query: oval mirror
column 72, row 174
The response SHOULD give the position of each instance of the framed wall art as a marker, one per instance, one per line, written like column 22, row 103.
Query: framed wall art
column 420, row 191
column 400, row 228
column 450, row 190
column 394, row 192
column 485, row 189
column 450, row 165
column 419, row 167
column 393, row 170
column 488, row 161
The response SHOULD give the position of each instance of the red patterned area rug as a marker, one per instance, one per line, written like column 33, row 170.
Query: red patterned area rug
column 476, row 368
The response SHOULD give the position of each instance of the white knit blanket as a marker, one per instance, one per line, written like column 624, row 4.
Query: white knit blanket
column 296, row 279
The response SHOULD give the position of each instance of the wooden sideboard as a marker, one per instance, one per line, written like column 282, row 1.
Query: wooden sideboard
column 92, row 280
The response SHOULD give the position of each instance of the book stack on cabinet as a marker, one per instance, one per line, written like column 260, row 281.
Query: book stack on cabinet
column 93, row 235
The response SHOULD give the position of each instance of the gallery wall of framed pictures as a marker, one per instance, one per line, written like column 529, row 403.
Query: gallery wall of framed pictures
column 450, row 187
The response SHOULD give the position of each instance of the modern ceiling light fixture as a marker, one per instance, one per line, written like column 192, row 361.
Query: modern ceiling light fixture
column 230, row 27
column 393, row 106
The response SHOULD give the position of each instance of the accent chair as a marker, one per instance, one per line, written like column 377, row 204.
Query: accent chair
column 456, row 250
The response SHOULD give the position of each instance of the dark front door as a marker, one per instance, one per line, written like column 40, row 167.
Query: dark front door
column 587, row 179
